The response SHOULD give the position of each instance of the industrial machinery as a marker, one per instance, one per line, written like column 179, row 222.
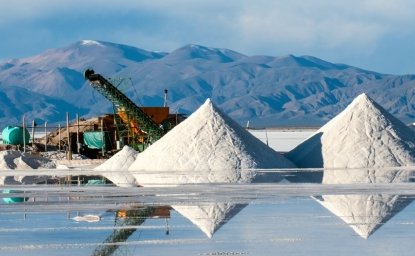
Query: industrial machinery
column 137, row 126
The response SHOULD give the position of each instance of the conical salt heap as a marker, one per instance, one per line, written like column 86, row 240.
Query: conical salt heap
column 207, row 147
column 116, row 168
column 364, row 135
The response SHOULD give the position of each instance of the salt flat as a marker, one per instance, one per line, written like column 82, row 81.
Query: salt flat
column 281, row 217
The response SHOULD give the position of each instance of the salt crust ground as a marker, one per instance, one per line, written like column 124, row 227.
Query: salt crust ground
column 19, row 160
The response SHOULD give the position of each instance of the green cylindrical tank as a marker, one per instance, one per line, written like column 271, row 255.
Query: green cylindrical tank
column 13, row 135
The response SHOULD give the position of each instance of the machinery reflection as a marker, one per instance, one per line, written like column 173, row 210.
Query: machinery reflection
column 126, row 223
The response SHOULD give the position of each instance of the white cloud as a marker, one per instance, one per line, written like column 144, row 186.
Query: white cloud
column 309, row 22
column 332, row 24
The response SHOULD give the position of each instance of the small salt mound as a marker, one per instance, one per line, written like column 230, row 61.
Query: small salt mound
column 363, row 135
column 207, row 147
column 116, row 168
column 10, row 160
column 209, row 217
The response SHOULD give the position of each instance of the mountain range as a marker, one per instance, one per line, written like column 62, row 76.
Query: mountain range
column 264, row 90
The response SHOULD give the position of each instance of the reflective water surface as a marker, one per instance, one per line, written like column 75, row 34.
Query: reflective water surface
column 206, row 219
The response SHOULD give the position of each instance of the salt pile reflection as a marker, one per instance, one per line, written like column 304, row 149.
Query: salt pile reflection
column 365, row 213
column 211, row 216
column 253, row 219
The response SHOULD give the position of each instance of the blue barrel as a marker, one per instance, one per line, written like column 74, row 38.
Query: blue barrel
column 13, row 135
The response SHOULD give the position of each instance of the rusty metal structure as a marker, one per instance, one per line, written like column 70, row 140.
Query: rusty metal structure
column 136, row 126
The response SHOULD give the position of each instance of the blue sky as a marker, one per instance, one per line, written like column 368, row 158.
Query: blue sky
column 372, row 34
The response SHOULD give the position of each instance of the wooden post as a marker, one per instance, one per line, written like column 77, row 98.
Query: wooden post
column 78, row 148
column 69, row 138
column 59, row 132
column 102, row 136
column 33, row 133
column 46, row 136
column 24, row 133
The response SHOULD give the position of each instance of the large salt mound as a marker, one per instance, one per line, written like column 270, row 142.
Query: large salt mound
column 363, row 135
column 10, row 160
column 207, row 147
column 116, row 168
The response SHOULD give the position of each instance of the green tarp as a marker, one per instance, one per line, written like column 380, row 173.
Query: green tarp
column 97, row 140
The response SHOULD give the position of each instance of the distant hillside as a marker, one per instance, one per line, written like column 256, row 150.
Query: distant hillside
column 265, row 90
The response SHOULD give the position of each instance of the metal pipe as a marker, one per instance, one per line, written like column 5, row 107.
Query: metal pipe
column 33, row 133
column 165, row 98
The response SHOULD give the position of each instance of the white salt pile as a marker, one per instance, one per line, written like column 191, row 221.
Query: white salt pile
column 363, row 136
column 115, row 169
column 209, row 217
column 207, row 147
column 10, row 160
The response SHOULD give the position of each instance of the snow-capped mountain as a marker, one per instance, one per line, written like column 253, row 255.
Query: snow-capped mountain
column 265, row 90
